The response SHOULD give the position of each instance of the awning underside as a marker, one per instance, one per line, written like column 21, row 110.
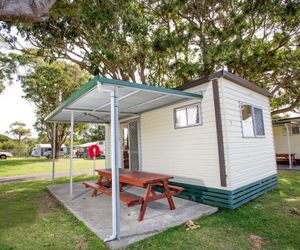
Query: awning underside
column 93, row 106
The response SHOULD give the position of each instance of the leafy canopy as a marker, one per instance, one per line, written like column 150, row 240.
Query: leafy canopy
column 46, row 85
column 19, row 130
column 169, row 42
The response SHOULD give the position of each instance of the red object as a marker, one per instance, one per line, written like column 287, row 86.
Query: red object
column 94, row 151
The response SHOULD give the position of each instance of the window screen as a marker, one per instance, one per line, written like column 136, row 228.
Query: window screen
column 295, row 130
column 258, row 122
column 252, row 121
column 188, row 116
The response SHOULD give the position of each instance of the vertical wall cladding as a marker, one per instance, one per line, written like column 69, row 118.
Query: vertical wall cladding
column 189, row 153
column 247, row 159
column 108, row 146
column 281, row 142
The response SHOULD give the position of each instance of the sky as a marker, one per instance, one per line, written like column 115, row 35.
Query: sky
column 12, row 106
column 15, row 108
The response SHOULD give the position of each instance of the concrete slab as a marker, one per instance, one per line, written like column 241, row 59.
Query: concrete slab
column 96, row 213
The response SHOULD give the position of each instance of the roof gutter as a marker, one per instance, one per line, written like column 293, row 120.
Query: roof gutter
column 229, row 76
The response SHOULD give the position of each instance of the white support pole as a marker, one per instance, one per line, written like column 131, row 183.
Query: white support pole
column 115, row 165
column 71, row 154
column 53, row 151
column 115, row 147
column 94, row 163
column 289, row 144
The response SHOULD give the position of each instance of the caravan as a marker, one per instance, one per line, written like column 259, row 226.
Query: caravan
column 41, row 150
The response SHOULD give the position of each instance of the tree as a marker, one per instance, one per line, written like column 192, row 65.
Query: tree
column 6, row 143
column 8, row 68
column 46, row 86
column 27, row 11
column 170, row 42
column 19, row 130
column 93, row 133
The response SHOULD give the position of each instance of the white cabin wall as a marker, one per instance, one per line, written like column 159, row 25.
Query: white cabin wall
column 108, row 146
column 281, row 141
column 190, row 154
column 247, row 159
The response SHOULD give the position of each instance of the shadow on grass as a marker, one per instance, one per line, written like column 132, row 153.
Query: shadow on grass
column 21, row 161
column 20, row 201
column 30, row 218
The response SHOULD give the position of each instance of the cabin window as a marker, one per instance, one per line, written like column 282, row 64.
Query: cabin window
column 188, row 116
column 252, row 121
column 292, row 131
column 295, row 130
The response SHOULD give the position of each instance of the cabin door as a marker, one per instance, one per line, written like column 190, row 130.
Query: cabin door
column 130, row 145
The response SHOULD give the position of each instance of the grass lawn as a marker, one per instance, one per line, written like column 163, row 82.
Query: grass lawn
column 28, row 166
column 31, row 219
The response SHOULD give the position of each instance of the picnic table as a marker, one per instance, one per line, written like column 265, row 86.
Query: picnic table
column 145, row 180
column 285, row 157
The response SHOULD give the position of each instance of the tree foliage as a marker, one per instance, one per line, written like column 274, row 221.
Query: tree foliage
column 46, row 86
column 170, row 42
column 6, row 143
column 93, row 133
column 19, row 130
column 8, row 68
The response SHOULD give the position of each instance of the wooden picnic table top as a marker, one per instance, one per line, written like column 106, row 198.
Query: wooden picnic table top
column 284, row 155
column 136, row 178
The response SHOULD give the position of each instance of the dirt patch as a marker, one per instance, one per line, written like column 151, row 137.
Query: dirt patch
column 256, row 242
column 46, row 205
column 294, row 211
column 81, row 242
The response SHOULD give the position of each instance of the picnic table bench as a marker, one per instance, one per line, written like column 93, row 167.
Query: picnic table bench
column 285, row 157
column 144, row 180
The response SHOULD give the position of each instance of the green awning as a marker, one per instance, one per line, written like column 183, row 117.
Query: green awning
column 92, row 106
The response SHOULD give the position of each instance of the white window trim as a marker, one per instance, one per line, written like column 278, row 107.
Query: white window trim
column 199, row 104
column 253, row 120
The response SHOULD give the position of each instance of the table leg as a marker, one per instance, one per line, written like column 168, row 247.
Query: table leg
column 145, row 202
column 94, row 194
column 99, row 182
column 168, row 195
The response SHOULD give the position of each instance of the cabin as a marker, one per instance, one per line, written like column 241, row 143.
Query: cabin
column 287, row 139
column 214, row 134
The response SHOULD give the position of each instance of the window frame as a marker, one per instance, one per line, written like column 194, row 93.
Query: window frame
column 293, row 131
column 199, row 105
column 253, row 120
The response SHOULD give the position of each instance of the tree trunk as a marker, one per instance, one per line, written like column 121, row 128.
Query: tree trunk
column 60, row 137
column 25, row 11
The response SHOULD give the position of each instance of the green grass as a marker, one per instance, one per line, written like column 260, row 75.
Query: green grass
column 28, row 166
column 273, row 217
column 31, row 219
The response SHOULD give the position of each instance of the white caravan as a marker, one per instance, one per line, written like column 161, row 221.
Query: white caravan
column 41, row 150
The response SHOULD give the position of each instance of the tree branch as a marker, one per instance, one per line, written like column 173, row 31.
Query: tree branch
column 294, row 105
